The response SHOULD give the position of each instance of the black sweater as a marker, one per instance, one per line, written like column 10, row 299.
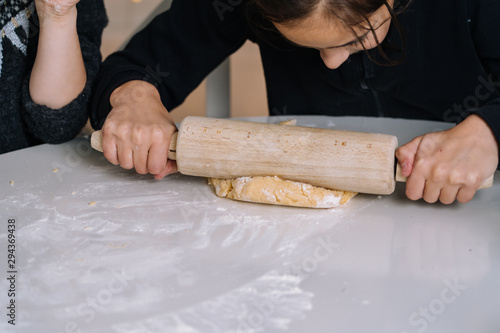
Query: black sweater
column 452, row 66
column 24, row 123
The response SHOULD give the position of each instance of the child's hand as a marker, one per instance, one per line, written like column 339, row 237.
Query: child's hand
column 449, row 165
column 55, row 8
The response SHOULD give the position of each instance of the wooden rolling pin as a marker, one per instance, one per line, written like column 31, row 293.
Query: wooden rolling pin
column 335, row 159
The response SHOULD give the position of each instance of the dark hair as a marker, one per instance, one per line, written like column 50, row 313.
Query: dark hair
column 352, row 13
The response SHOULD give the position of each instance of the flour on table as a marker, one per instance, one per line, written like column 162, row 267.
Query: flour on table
column 277, row 191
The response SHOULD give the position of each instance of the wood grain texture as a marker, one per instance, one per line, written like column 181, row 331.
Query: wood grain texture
column 341, row 160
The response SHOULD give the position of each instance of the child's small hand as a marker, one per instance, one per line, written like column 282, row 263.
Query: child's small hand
column 55, row 8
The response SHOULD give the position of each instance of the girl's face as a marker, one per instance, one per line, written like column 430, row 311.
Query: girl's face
column 334, row 41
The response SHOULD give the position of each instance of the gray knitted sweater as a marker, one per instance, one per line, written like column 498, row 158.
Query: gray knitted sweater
column 24, row 123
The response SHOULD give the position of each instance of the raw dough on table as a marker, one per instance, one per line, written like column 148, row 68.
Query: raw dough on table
column 277, row 191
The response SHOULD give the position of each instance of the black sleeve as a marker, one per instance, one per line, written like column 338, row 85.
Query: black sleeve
column 486, row 36
column 175, row 52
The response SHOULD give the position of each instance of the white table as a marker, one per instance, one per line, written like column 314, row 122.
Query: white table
column 101, row 249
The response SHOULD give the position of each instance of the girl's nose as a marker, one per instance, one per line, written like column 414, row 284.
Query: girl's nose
column 333, row 58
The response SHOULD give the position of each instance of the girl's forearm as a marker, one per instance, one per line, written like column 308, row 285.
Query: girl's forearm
column 58, row 74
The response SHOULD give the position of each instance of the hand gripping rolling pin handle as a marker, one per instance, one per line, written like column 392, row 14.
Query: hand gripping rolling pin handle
column 96, row 143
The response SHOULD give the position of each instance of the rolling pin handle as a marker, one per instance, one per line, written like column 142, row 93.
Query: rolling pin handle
column 399, row 175
column 96, row 140
column 172, row 149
